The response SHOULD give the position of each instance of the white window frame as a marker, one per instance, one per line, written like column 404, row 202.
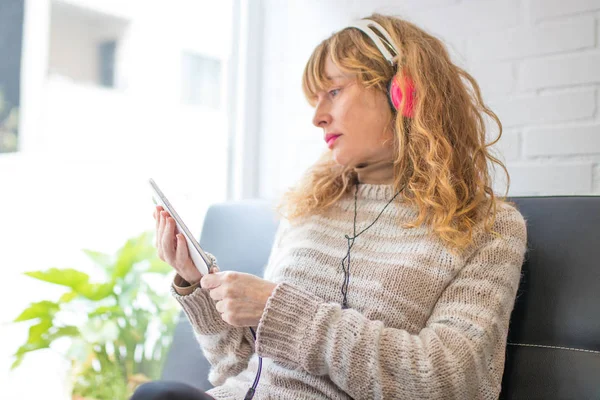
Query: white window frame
column 245, row 100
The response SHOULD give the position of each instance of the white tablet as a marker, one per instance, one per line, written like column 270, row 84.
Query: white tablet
column 198, row 256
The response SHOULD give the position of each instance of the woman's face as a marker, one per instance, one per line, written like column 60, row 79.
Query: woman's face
column 359, row 116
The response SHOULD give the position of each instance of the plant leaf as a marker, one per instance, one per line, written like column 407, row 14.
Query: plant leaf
column 17, row 362
column 71, row 331
column 126, row 258
column 96, row 291
column 76, row 280
column 66, row 277
column 79, row 350
column 26, row 348
column 37, row 332
column 135, row 250
column 43, row 309
column 97, row 331
column 101, row 259
column 159, row 266
column 67, row 297
column 112, row 311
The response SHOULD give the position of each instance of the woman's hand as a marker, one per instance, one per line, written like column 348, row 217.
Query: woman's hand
column 173, row 249
column 241, row 297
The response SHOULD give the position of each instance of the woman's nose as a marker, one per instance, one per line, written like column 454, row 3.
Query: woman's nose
column 322, row 117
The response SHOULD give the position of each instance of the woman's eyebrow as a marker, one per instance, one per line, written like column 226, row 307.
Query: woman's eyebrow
column 335, row 77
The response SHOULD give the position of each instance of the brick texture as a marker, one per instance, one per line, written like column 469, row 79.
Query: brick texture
column 537, row 63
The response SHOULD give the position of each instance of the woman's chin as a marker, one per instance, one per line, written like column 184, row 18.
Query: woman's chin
column 339, row 157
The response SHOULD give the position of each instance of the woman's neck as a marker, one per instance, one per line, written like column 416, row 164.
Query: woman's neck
column 376, row 173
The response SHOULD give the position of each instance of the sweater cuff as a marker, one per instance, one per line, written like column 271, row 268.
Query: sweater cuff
column 183, row 287
column 201, row 311
column 287, row 318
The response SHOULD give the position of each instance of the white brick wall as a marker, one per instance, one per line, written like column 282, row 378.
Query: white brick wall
column 581, row 68
column 537, row 62
column 560, row 36
column 563, row 141
column 465, row 18
column 557, row 8
column 495, row 78
column 549, row 179
column 510, row 145
column 547, row 108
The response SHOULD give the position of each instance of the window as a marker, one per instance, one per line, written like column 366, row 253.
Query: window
column 83, row 44
column 103, row 111
column 11, row 27
column 9, row 123
column 106, row 57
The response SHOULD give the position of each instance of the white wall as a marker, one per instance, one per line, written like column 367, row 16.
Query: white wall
column 538, row 62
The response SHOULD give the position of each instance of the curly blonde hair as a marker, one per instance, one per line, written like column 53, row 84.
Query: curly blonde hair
column 441, row 152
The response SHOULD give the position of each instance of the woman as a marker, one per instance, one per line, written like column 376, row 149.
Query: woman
column 395, row 271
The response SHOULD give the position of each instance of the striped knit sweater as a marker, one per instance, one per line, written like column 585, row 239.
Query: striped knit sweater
column 422, row 323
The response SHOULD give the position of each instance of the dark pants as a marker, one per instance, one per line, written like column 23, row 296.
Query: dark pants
column 165, row 390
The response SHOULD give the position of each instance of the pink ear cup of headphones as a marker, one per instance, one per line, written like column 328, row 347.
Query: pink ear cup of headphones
column 395, row 94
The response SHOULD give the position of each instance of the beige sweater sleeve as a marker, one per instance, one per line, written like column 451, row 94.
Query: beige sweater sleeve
column 183, row 287
column 227, row 348
column 460, row 349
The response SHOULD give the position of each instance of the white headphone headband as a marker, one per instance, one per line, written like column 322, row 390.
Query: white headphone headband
column 368, row 26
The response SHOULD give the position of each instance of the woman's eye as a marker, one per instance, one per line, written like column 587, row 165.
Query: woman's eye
column 334, row 92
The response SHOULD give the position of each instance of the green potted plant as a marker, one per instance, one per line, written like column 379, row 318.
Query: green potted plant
column 117, row 330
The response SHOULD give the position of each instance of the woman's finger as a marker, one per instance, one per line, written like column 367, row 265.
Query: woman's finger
column 219, row 305
column 156, row 216
column 184, row 263
column 181, row 250
column 159, row 234
column 168, row 241
column 217, row 293
column 161, row 230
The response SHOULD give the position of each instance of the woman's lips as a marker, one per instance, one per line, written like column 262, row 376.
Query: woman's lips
column 331, row 138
